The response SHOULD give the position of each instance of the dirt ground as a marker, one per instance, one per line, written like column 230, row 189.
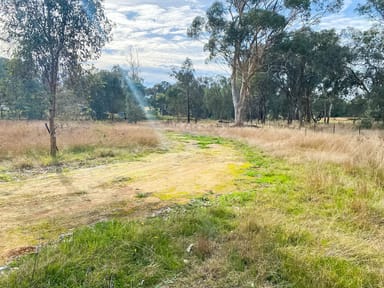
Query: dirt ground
column 39, row 209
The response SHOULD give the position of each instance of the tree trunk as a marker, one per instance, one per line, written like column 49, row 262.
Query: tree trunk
column 239, row 114
column 188, row 107
column 290, row 108
column 52, row 111
column 325, row 112
column 308, row 108
column 329, row 112
column 52, row 128
column 238, row 97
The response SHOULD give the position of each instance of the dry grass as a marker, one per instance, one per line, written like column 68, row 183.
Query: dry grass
column 353, row 151
column 20, row 138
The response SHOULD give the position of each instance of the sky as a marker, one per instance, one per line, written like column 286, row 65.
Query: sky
column 156, row 32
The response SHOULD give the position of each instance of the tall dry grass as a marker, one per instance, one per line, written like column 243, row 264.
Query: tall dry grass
column 347, row 147
column 19, row 138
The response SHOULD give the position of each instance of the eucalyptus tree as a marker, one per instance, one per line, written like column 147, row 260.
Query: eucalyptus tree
column 332, row 64
column 291, row 62
column 373, row 8
column 198, row 109
column 185, row 77
column 24, row 91
column 157, row 98
column 307, row 65
column 369, row 49
column 368, row 67
column 217, row 98
column 240, row 32
column 56, row 37
column 176, row 101
column 263, row 89
column 107, row 94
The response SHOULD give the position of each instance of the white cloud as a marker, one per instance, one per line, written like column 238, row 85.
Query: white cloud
column 157, row 29
column 342, row 21
column 348, row 4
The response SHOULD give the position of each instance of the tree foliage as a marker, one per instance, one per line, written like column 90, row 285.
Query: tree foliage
column 368, row 68
column 309, row 66
column 373, row 8
column 186, row 78
column 55, row 37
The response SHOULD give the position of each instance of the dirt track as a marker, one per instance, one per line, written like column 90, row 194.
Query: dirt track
column 36, row 210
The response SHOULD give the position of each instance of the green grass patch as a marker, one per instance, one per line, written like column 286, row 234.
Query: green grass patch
column 5, row 177
column 124, row 254
column 205, row 141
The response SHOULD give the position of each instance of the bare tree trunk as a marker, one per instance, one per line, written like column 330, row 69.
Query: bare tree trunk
column 290, row 108
column 239, row 114
column 52, row 110
column 188, row 106
column 239, row 96
column 308, row 106
column 236, row 99
column 325, row 112
column 329, row 112
column 52, row 128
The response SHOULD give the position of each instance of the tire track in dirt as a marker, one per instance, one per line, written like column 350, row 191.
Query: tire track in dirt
column 39, row 209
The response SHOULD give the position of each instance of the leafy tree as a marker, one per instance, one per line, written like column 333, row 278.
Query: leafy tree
column 176, row 101
column 185, row 77
column 357, row 106
column 309, row 65
column 56, row 36
column 135, row 101
column 21, row 93
column 158, row 99
column 368, row 71
column 373, row 8
column 218, row 99
column 332, row 61
column 107, row 95
column 263, row 88
column 198, row 111
column 241, row 32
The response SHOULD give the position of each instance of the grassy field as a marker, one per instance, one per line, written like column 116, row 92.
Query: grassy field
column 237, row 207
column 24, row 146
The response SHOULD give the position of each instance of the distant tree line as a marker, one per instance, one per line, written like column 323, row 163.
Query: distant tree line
column 98, row 95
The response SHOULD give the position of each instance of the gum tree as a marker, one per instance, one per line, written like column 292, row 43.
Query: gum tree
column 186, row 78
column 374, row 9
column 240, row 32
column 56, row 37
